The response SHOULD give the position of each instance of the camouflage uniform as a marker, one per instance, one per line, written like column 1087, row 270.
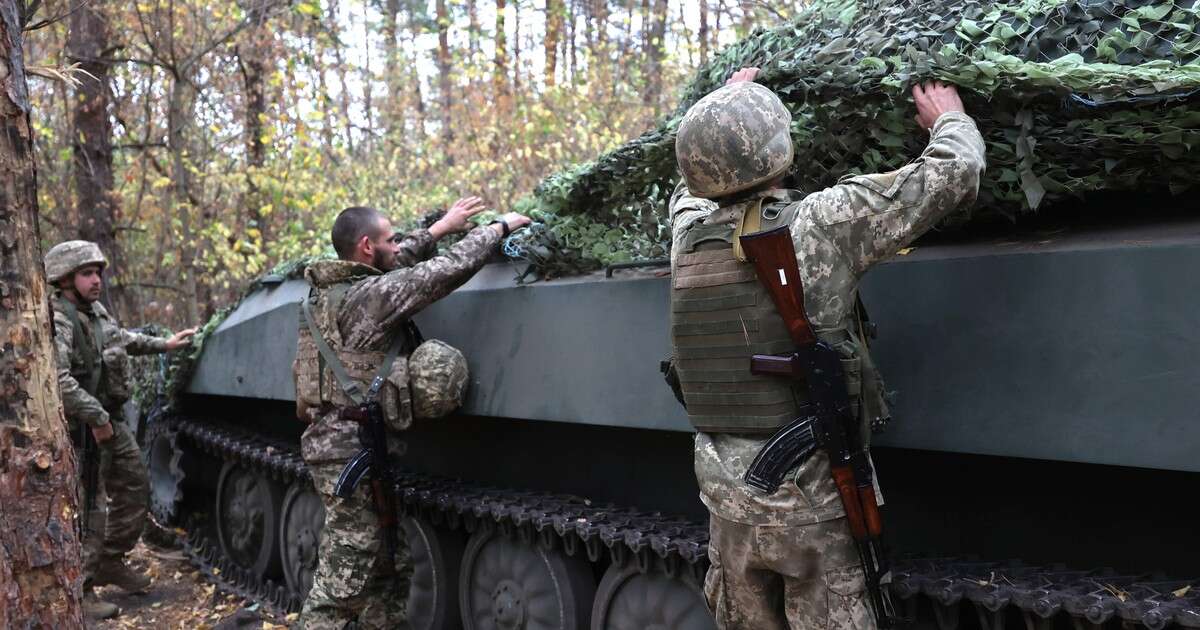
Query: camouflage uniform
column 787, row 559
column 351, row 581
column 123, row 486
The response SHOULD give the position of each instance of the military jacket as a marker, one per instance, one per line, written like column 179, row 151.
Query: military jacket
column 93, row 359
column 373, row 310
column 838, row 233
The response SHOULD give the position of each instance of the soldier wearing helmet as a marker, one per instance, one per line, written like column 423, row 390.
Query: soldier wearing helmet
column 786, row 560
column 356, row 328
column 93, row 376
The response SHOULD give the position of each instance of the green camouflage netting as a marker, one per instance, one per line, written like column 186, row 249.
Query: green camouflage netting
column 1072, row 97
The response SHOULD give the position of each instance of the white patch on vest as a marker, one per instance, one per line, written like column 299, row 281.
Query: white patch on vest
column 782, row 278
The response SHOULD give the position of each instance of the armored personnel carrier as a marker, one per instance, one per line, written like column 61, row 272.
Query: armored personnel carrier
column 1039, row 469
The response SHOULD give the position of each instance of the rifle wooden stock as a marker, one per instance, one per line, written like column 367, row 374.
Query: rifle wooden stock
column 843, row 477
column 774, row 259
column 870, row 508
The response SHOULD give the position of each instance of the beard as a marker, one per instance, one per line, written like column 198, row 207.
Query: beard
column 382, row 261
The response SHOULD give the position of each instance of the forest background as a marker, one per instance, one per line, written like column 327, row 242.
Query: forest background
column 201, row 142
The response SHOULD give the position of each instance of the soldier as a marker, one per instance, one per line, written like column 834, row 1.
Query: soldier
column 93, row 376
column 361, row 305
column 786, row 559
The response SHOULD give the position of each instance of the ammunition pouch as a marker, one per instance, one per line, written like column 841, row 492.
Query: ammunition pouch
column 115, row 384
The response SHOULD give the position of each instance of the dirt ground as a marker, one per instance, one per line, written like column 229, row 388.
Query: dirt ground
column 180, row 599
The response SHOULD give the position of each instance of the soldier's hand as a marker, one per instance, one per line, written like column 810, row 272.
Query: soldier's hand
column 180, row 339
column 513, row 220
column 745, row 74
column 102, row 433
column 458, row 217
column 934, row 98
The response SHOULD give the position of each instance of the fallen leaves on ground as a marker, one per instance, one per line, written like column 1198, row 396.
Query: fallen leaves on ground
column 180, row 599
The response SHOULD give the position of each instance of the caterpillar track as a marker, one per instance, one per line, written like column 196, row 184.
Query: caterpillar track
column 942, row 593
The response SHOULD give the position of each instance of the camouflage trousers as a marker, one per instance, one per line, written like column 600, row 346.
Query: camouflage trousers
column 353, row 580
column 115, row 522
column 777, row 577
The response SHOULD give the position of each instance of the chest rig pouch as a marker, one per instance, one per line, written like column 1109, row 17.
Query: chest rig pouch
column 87, row 365
column 329, row 375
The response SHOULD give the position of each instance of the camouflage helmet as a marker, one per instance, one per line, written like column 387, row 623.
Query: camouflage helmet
column 734, row 139
column 65, row 258
column 438, row 376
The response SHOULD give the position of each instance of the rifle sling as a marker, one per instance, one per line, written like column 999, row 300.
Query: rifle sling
column 351, row 387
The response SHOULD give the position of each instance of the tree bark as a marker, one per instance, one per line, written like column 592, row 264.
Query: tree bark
column 703, row 35
column 554, row 26
column 41, row 578
column 444, row 83
column 96, row 202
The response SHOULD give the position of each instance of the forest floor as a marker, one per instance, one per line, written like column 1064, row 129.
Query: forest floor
column 179, row 598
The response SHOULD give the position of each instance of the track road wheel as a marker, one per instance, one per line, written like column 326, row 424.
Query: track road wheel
column 247, row 515
column 302, row 518
column 507, row 585
column 628, row 599
column 436, row 558
column 164, row 466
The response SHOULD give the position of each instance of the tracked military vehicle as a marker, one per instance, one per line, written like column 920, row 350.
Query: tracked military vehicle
column 1040, row 467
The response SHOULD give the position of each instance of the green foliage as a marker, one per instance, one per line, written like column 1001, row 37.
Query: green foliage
column 1072, row 97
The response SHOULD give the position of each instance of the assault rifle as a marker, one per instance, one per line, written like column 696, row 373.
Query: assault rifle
column 827, row 423
column 372, row 459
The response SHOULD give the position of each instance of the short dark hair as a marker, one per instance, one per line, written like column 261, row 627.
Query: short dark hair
column 350, row 226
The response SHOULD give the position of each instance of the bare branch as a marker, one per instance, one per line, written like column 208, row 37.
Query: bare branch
column 50, row 20
column 68, row 75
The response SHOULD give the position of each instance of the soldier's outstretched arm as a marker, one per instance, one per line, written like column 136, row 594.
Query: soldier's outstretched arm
column 77, row 403
column 398, row 295
column 416, row 246
column 871, row 217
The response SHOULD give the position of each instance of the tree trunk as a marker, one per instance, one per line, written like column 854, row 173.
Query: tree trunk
column 444, row 83
column 703, row 35
column 572, row 33
column 391, row 62
column 96, row 202
column 516, row 65
column 368, row 78
column 554, row 26
column 252, row 53
column 41, row 579
column 340, row 68
column 472, row 28
column 601, row 15
column 179, row 111
column 747, row 18
column 414, row 28
column 500, row 77
column 654, row 52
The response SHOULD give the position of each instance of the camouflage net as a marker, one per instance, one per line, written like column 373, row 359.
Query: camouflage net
column 1073, row 96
